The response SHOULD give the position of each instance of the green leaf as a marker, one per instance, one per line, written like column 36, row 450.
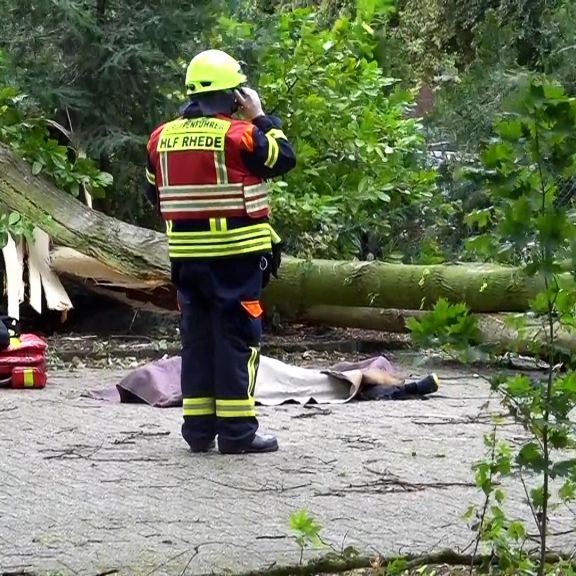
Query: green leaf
column 14, row 218
column 483, row 244
column 517, row 531
column 530, row 456
column 497, row 154
column 307, row 529
column 105, row 179
column 509, row 129
column 519, row 386
column 537, row 497
column 564, row 468
column 481, row 218
column 36, row 168
column 567, row 492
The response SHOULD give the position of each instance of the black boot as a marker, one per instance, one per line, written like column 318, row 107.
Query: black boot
column 202, row 446
column 260, row 443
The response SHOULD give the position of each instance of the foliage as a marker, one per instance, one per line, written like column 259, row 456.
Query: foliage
column 29, row 136
column 525, row 167
column 104, row 71
column 475, row 55
column 306, row 530
column 109, row 73
column 361, row 183
column 12, row 223
column 446, row 326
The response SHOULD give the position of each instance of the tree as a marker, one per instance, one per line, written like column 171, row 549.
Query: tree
column 362, row 184
column 104, row 70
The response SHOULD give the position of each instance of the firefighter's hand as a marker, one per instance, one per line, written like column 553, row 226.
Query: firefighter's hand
column 249, row 103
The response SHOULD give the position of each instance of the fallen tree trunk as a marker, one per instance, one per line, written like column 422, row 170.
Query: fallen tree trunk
column 483, row 287
column 134, row 261
column 495, row 334
column 136, row 252
column 306, row 286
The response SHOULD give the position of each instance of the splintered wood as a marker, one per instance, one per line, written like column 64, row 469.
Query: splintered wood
column 41, row 278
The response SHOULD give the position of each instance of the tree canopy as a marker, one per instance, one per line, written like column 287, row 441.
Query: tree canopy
column 385, row 102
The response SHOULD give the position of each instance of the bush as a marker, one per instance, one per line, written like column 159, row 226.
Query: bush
column 361, row 184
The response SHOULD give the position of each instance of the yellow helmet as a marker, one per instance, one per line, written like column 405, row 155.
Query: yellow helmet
column 213, row 70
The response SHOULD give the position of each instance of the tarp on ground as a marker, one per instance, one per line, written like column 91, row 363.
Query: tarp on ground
column 158, row 383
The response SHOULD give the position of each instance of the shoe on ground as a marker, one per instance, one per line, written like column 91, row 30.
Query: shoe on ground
column 260, row 444
column 427, row 385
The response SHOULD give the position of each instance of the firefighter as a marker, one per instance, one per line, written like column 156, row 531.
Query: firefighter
column 207, row 174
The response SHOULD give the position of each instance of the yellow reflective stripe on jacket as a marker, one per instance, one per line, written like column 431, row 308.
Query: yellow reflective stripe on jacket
column 220, row 165
column 276, row 133
column 224, row 235
column 215, row 251
column 151, row 178
column 28, row 377
column 218, row 225
column 236, row 408
column 273, row 151
column 275, row 238
column 245, row 240
column 198, row 406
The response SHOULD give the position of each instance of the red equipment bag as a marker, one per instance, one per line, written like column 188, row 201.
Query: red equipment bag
column 27, row 350
column 23, row 362
column 29, row 377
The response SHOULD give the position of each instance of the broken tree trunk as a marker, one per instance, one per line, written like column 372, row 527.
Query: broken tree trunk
column 135, row 261
column 136, row 252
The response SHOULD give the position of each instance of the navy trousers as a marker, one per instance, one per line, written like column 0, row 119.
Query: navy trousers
column 220, row 332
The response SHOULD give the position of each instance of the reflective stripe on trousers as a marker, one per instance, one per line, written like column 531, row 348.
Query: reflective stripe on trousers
column 198, row 406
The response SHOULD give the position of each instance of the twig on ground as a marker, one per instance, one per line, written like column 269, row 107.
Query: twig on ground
column 261, row 489
column 389, row 485
column 195, row 553
column 166, row 562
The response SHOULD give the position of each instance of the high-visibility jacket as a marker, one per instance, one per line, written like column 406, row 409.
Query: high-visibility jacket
column 207, row 177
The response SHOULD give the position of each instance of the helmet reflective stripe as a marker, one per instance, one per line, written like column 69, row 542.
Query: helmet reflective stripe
column 213, row 70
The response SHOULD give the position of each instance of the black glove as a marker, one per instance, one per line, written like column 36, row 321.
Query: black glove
column 271, row 263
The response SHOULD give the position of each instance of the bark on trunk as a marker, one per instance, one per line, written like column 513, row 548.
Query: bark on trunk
column 495, row 333
column 133, row 251
column 135, row 261
column 484, row 288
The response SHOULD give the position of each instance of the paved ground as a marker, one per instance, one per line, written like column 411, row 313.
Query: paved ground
column 86, row 487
